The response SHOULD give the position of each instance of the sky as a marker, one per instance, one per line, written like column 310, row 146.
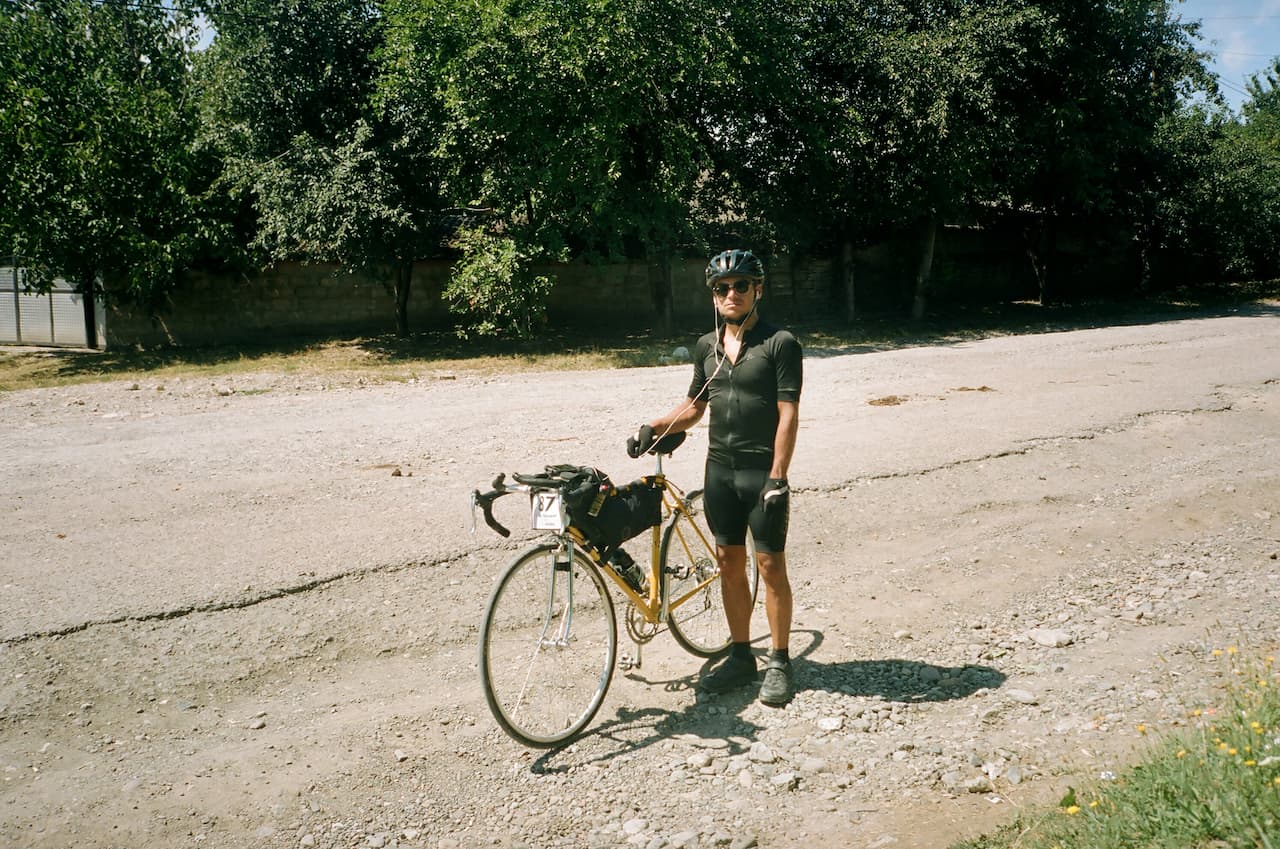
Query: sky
column 1243, row 35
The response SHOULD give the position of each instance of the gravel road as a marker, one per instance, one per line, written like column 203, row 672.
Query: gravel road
column 243, row 613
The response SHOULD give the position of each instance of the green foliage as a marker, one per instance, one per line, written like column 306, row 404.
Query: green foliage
column 362, row 131
column 1262, row 109
column 1216, row 785
column 96, row 131
column 331, row 170
column 1216, row 196
column 492, row 288
column 279, row 69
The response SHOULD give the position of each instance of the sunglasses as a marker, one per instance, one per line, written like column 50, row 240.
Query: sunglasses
column 739, row 286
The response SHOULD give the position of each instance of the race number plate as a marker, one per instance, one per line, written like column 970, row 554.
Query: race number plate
column 548, row 510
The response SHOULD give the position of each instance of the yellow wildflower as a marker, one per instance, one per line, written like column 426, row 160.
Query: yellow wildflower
column 1231, row 649
column 1073, row 810
column 1142, row 729
column 1217, row 652
column 1250, row 763
column 1182, row 753
column 1094, row 803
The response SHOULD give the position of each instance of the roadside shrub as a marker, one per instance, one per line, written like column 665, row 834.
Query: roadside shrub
column 492, row 289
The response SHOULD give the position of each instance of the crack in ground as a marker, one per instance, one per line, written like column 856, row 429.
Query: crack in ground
column 1028, row 447
column 388, row 568
column 244, row 602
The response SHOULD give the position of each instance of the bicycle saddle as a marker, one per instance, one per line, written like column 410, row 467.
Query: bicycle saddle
column 669, row 443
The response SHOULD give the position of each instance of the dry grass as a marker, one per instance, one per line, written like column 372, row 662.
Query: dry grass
column 387, row 358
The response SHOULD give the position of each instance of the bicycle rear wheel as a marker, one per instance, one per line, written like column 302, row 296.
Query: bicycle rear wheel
column 688, row 555
column 548, row 645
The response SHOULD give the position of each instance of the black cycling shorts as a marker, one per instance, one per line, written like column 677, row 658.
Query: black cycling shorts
column 732, row 501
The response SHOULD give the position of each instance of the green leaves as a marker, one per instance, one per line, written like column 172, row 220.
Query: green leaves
column 97, row 122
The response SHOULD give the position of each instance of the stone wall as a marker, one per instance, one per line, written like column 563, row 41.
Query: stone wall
column 291, row 299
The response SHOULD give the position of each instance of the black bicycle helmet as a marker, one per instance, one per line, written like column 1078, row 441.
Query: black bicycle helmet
column 734, row 263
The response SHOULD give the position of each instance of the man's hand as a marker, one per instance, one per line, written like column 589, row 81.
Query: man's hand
column 775, row 497
column 639, row 445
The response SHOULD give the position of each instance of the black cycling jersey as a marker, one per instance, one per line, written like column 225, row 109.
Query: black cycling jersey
column 744, row 395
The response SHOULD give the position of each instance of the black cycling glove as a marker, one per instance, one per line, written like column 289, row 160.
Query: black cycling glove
column 640, row 444
column 775, row 497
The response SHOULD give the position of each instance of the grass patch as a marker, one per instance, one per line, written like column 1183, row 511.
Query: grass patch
column 1212, row 787
column 387, row 358
column 375, row 358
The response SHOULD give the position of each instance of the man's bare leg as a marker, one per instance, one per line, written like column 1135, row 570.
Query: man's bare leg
column 735, row 590
column 777, row 596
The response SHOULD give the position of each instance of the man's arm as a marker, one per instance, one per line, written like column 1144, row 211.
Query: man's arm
column 682, row 417
column 784, row 440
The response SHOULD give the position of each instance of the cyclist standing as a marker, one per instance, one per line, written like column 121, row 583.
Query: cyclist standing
column 749, row 372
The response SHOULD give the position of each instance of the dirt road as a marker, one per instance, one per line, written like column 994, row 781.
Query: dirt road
column 229, row 624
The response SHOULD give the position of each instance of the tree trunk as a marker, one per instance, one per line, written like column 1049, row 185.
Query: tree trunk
column 667, row 313
column 1145, row 249
column 403, row 279
column 846, row 280
column 1041, row 250
column 795, row 262
column 660, row 287
column 90, row 314
column 926, row 267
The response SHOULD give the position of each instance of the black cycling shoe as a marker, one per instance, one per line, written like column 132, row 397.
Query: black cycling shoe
column 730, row 675
column 777, row 688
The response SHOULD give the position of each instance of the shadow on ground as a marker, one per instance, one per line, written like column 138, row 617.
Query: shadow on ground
column 950, row 325
column 717, row 722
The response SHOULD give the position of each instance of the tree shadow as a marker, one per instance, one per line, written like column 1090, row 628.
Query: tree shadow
column 637, row 345
column 962, row 324
column 726, row 730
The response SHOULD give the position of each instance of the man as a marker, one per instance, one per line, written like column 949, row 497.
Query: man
column 749, row 372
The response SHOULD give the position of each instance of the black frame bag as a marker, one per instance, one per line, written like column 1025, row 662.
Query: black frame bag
column 607, row 515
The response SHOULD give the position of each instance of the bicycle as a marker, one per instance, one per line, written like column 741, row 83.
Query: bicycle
column 548, row 643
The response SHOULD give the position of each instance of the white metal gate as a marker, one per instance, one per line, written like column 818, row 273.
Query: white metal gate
column 56, row 318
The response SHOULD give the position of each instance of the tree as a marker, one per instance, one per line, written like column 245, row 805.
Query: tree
column 861, row 119
column 568, row 122
column 332, row 170
column 1262, row 109
column 1108, row 72
column 96, row 131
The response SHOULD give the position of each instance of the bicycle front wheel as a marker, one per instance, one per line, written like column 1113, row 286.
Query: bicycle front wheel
column 548, row 646
column 696, row 616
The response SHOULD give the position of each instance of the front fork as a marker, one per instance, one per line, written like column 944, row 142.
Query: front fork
column 563, row 566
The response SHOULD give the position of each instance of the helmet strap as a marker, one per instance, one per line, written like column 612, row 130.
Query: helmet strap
column 737, row 322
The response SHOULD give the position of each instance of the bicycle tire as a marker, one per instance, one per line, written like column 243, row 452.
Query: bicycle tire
column 544, row 691
column 688, row 559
